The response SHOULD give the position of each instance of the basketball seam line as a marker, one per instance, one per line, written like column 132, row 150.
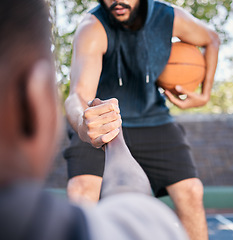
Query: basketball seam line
column 187, row 64
column 172, row 84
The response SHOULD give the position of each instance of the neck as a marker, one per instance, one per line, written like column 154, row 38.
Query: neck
column 136, row 25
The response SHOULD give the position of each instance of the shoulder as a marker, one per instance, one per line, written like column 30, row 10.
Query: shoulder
column 91, row 34
column 90, row 23
column 63, row 221
column 183, row 22
column 180, row 13
column 29, row 211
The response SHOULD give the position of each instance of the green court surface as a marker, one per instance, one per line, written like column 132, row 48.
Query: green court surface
column 217, row 200
column 214, row 198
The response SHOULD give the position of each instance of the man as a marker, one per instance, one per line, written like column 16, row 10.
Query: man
column 120, row 49
column 29, row 124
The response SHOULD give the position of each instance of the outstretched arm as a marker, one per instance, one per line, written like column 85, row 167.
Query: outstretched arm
column 122, row 173
column 191, row 30
column 95, row 125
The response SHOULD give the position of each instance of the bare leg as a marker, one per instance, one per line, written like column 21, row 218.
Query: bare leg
column 187, row 196
column 84, row 188
column 122, row 173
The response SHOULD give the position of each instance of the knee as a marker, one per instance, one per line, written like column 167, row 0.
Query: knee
column 84, row 187
column 76, row 184
column 193, row 192
column 188, row 193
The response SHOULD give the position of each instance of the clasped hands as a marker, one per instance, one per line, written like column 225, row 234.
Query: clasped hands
column 101, row 122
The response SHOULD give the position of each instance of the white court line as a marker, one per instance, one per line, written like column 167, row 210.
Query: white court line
column 227, row 223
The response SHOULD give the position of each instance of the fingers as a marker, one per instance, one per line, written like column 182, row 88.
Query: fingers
column 95, row 129
column 113, row 101
column 173, row 99
column 101, row 140
column 95, row 102
column 104, row 134
column 100, row 109
column 102, row 120
column 180, row 90
column 177, row 99
column 186, row 99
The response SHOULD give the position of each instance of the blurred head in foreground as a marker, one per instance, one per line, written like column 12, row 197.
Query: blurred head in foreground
column 28, row 112
column 28, row 133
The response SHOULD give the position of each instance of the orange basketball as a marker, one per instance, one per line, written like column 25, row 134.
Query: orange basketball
column 186, row 67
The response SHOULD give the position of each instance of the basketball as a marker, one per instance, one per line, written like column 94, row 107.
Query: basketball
column 186, row 67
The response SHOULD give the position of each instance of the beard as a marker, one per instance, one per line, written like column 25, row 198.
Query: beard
column 130, row 21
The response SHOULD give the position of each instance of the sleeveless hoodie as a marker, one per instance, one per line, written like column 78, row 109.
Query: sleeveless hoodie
column 133, row 62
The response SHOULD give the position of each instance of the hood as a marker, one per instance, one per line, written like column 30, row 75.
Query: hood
column 150, row 8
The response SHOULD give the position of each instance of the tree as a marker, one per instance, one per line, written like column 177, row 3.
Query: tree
column 62, row 36
column 214, row 12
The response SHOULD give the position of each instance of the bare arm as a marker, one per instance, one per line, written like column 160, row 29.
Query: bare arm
column 191, row 30
column 122, row 173
column 100, row 124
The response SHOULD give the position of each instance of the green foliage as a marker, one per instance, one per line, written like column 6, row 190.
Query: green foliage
column 63, row 34
column 205, row 9
column 63, row 37
column 215, row 12
column 64, row 90
column 73, row 9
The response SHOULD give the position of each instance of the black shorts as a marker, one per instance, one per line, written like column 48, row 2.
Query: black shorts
column 163, row 152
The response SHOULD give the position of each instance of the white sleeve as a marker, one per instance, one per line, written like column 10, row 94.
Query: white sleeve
column 132, row 216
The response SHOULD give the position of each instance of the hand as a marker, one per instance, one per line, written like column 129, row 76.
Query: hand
column 192, row 99
column 101, row 122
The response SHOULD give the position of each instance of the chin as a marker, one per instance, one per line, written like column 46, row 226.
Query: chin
column 121, row 18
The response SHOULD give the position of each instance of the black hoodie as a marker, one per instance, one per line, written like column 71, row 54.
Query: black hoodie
column 133, row 62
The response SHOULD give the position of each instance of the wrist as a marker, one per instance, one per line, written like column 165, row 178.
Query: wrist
column 205, row 98
column 82, row 132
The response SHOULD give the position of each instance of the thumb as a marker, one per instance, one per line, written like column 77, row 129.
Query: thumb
column 181, row 90
column 94, row 102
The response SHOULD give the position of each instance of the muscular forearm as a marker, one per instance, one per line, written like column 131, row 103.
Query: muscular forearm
column 191, row 30
column 211, row 56
column 74, row 112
